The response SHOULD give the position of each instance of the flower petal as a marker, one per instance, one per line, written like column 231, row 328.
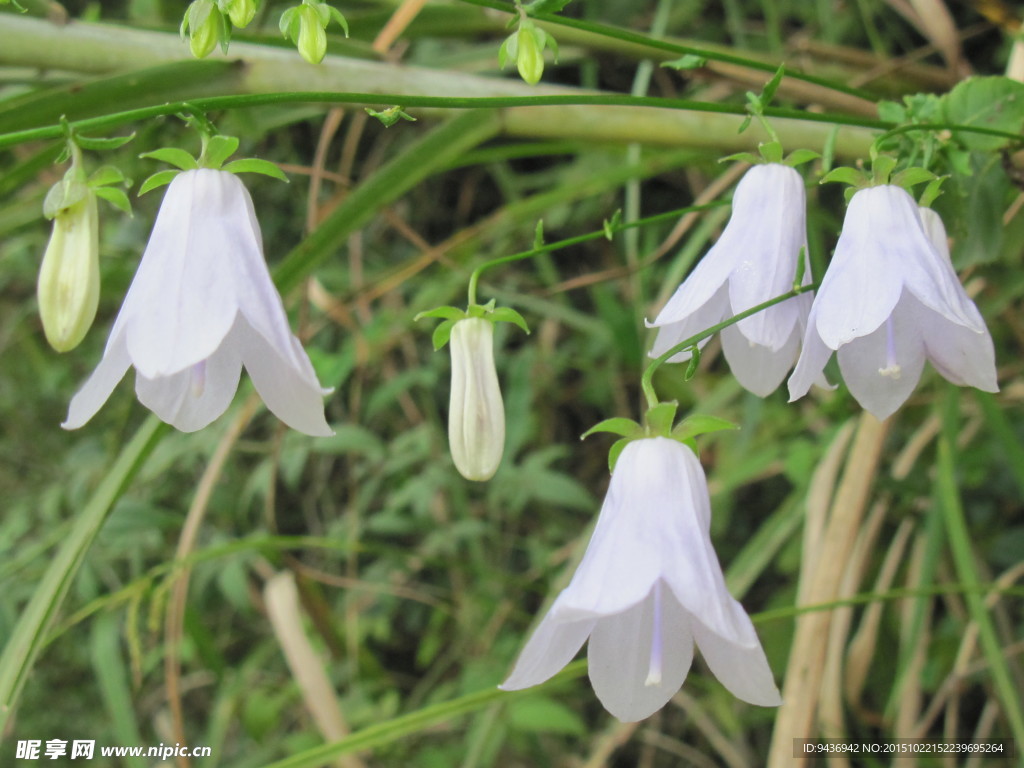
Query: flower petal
column 759, row 369
column 191, row 399
column 742, row 668
column 288, row 385
column 882, row 368
column 962, row 355
column 619, row 657
column 97, row 388
column 182, row 301
column 551, row 647
column 810, row 366
column 703, row 317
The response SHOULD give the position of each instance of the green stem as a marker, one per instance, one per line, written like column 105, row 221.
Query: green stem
column 959, row 537
column 474, row 278
column 646, row 381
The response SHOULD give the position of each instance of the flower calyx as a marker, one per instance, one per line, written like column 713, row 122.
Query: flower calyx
column 306, row 26
column 772, row 152
column 215, row 151
column 391, row 115
column 882, row 173
column 659, row 421
column 452, row 315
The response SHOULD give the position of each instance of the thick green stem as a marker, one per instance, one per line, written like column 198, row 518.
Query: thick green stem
column 647, row 380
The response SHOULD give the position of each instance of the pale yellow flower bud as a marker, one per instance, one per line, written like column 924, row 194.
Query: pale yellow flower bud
column 312, row 42
column 241, row 12
column 69, row 278
column 530, row 53
column 476, row 417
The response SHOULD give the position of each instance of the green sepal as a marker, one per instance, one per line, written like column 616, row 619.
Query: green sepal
column 480, row 310
column 288, row 20
column 442, row 333
column 508, row 50
column 217, row 150
column 549, row 42
column 616, row 450
column 771, row 151
column 659, row 419
column 745, row 124
column 256, row 165
column 115, row 196
column 618, row 425
column 179, row 158
column 64, row 194
column 801, row 267
column 691, row 368
column 112, row 142
column 800, row 156
column 336, row 15
column 689, row 61
column 932, row 191
column 700, row 424
column 538, row 235
column 845, row 175
column 690, row 443
column 507, row 315
column 448, row 313
column 612, row 224
column 910, row 177
column 390, row 116
column 882, row 167
column 106, row 175
column 828, row 152
column 741, row 157
column 158, row 179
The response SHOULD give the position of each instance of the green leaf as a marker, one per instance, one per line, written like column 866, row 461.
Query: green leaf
column 106, row 174
column 741, row 157
column 116, row 197
column 745, row 124
column 801, row 267
column 700, row 424
column 691, row 368
column 508, row 315
column 844, row 175
column 801, row 156
column 659, row 418
column 611, row 225
column 772, row 86
column 689, row 61
column 256, row 165
column 538, row 235
column 218, row 149
column 442, row 333
column 828, row 152
column 616, row 450
column 448, row 313
column 158, row 179
column 179, row 158
column 94, row 144
column 986, row 102
column 618, row 425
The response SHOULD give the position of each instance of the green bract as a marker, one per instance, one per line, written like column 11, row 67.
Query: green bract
column 452, row 315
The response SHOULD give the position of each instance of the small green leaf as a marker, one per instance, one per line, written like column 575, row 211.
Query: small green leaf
column 828, row 154
column 801, row 156
column 179, row 158
column 700, row 424
column 616, row 450
column 94, row 144
column 745, row 124
column 442, row 333
column 158, row 179
column 116, row 197
column 618, row 425
column 106, row 175
column 218, row 149
column 772, row 86
column 801, row 267
column 844, row 175
column 691, row 368
column 256, row 165
column 508, row 315
column 448, row 313
column 910, row 177
column 689, row 61
column 659, row 418
column 538, row 235
column 610, row 225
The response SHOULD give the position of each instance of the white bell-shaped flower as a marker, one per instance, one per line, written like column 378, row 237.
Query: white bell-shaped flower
column 476, row 413
column 753, row 261
column 647, row 590
column 890, row 299
column 201, row 306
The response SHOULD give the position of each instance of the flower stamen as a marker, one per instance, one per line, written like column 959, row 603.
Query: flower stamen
column 892, row 368
column 654, row 668
column 198, row 379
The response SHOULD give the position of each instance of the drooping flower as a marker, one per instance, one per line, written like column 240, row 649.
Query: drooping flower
column 476, row 414
column 201, row 306
column 69, row 277
column 753, row 261
column 648, row 589
column 890, row 299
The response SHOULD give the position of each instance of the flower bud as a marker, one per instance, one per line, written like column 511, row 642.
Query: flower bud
column 476, row 415
column 530, row 53
column 69, row 278
column 204, row 22
column 241, row 12
column 312, row 42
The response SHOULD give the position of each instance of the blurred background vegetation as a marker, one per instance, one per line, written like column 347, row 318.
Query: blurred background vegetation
column 414, row 587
